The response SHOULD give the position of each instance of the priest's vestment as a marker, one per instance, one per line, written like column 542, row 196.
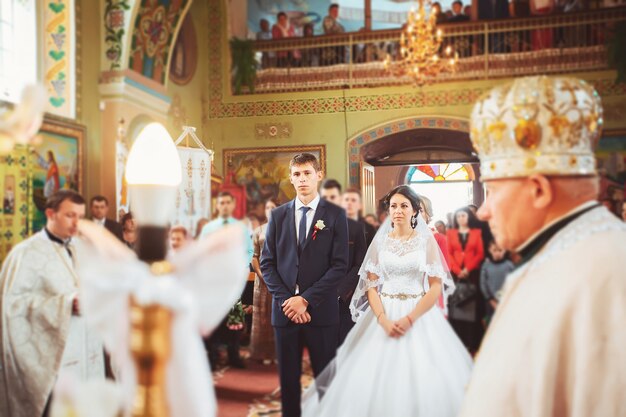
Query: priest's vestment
column 557, row 343
column 39, row 335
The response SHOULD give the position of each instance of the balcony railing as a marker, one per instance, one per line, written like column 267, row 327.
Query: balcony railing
column 487, row 49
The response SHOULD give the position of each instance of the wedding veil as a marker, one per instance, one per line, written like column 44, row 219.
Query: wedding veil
column 431, row 264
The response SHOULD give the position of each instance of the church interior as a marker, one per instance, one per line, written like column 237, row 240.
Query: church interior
column 379, row 97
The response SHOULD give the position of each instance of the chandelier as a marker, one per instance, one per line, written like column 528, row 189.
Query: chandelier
column 420, row 45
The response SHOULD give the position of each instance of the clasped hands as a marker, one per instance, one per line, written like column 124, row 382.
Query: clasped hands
column 396, row 328
column 295, row 309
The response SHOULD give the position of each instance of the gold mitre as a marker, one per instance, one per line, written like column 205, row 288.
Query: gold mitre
column 537, row 125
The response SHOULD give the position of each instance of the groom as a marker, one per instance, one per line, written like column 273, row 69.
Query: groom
column 304, row 258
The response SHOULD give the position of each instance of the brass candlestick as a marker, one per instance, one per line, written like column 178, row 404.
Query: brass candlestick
column 150, row 343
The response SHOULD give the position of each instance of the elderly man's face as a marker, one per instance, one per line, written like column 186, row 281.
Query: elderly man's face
column 509, row 210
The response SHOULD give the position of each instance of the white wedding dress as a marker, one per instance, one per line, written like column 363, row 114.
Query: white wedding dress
column 421, row 374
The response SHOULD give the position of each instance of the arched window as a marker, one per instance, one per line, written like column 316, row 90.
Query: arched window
column 448, row 186
column 438, row 172
column 18, row 47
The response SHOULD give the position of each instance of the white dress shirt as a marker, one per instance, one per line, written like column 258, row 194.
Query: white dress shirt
column 100, row 222
column 309, row 214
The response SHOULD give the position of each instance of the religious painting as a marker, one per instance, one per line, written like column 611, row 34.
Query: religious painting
column 611, row 157
column 264, row 172
column 56, row 162
column 185, row 53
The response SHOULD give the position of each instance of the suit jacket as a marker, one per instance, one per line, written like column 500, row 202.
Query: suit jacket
column 356, row 253
column 115, row 228
column 322, row 263
column 471, row 257
column 370, row 232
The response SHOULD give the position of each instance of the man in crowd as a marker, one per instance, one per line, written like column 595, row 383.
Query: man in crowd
column 457, row 13
column 555, row 345
column 331, row 191
column 225, row 209
column 42, row 331
column 178, row 238
column 351, row 201
column 99, row 206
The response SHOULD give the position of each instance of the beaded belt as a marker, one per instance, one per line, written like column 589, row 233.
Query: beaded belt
column 401, row 296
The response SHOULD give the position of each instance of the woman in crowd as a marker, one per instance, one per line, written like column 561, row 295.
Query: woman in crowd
column 262, row 337
column 466, row 254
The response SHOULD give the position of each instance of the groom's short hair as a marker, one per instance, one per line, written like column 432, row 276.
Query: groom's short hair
column 305, row 158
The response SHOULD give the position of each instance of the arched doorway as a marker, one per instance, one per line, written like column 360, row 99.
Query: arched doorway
column 391, row 153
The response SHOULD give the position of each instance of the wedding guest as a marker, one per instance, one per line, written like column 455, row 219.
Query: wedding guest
column 178, row 238
column 492, row 276
column 99, row 207
column 357, row 246
column 283, row 29
column 485, row 231
column 262, row 346
column 624, row 211
column 129, row 228
column 457, row 13
column 372, row 221
column 230, row 334
column 330, row 23
column 351, row 201
column 333, row 54
column 440, row 226
column 440, row 15
column 466, row 254
column 265, row 34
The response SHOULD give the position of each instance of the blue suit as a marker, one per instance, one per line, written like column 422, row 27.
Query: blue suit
column 317, row 272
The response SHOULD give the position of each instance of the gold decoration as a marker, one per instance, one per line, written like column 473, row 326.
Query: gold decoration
column 527, row 134
column 420, row 45
column 150, row 348
column 537, row 125
column 496, row 130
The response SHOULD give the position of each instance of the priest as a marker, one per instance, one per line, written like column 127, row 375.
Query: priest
column 42, row 332
column 556, row 345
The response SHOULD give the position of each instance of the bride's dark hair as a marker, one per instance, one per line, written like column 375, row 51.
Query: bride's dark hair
column 407, row 192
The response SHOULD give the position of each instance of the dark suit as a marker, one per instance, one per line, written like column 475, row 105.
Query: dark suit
column 115, row 228
column 370, row 232
column 322, row 264
column 357, row 249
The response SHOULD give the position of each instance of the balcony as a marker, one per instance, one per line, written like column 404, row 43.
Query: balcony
column 564, row 43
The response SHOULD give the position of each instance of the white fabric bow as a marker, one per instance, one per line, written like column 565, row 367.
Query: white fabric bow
column 208, row 278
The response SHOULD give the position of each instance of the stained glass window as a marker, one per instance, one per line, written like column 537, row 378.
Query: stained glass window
column 438, row 172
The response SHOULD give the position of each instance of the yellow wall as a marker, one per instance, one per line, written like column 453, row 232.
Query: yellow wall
column 234, row 130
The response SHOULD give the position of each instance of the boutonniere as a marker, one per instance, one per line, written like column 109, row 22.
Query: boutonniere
column 319, row 225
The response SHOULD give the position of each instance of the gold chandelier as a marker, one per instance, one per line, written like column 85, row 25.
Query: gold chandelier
column 420, row 45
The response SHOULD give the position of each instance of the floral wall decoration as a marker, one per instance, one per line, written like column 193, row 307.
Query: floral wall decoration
column 59, row 57
column 114, row 24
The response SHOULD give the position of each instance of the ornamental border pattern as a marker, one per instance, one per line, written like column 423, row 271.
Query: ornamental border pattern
column 379, row 132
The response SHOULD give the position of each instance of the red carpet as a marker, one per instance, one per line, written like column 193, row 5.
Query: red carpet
column 238, row 389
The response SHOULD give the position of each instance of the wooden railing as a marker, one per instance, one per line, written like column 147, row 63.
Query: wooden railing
column 487, row 49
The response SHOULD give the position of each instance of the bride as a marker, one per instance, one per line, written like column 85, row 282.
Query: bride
column 402, row 358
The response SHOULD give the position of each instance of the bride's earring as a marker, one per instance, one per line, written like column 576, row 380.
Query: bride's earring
column 414, row 221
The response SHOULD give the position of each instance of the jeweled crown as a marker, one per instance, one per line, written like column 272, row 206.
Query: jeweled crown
column 537, row 125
